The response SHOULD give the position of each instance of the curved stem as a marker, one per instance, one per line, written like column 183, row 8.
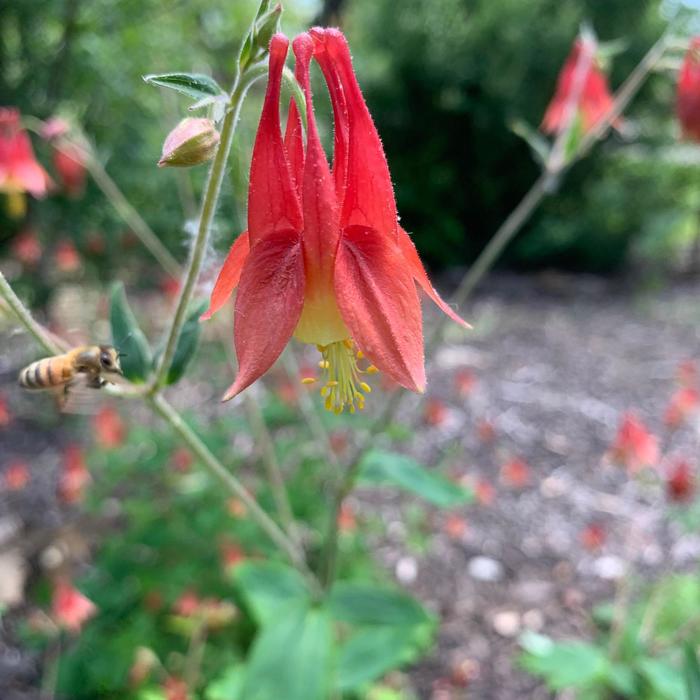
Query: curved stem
column 38, row 332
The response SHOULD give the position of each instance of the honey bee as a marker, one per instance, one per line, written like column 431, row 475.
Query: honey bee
column 98, row 364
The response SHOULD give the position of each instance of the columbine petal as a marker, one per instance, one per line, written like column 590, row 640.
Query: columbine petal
column 379, row 303
column 268, row 305
column 319, row 203
column 369, row 194
column 273, row 204
column 410, row 255
column 340, row 112
column 229, row 275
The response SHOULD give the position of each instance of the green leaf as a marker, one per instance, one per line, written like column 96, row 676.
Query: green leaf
column 691, row 672
column 538, row 144
column 392, row 469
column 228, row 686
column 664, row 679
column 128, row 338
column 186, row 344
column 292, row 658
column 563, row 664
column 370, row 653
column 268, row 588
column 194, row 85
column 365, row 604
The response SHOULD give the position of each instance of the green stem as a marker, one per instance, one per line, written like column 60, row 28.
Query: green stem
column 209, row 205
column 231, row 484
column 40, row 334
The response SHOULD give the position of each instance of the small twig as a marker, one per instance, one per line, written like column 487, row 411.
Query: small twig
column 623, row 595
column 195, row 655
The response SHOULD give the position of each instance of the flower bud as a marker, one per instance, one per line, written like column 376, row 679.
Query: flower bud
column 191, row 142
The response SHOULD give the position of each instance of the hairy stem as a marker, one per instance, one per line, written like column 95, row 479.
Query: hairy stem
column 36, row 330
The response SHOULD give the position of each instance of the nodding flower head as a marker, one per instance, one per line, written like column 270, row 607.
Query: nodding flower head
column 324, row 258
column 688, row 99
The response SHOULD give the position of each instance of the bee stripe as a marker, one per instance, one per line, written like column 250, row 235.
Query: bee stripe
column 37, row 374
column 49, row 369
column 26, row 377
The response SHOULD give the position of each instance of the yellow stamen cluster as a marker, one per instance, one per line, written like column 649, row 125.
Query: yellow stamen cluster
column 343, row 382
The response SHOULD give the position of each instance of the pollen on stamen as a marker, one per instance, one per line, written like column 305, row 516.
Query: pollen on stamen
column 342, row 383
column 308, row 380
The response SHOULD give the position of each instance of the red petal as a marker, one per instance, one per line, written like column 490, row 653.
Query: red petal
column 229, row 275
column 340, row 112
column 268, row 305
column 410, row 255
column 320, row 206
column 377, row 298
column 293, row 138
column 273, row 204
column 369, row 194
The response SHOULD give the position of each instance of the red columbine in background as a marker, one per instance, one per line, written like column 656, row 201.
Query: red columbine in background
column 19, row 170
column 324, row 258
column 594, row 100
column 688, row 102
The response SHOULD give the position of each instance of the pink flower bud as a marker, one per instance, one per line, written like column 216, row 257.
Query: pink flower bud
column 191, row 142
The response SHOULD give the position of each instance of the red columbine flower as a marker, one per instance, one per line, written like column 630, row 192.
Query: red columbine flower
column 683, row 404
column 324, row 258
column 688, row 96
column 595, row 99
column 634, row 447
column 75, row 476
column 19, row 170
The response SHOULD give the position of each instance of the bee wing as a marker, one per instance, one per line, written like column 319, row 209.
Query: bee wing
column 79, row 396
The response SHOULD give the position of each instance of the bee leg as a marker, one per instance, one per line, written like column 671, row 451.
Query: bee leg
column 95, row 382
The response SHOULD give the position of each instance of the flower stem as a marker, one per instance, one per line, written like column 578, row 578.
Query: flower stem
column 209, row 205
column 38, row 332
column 232, row 484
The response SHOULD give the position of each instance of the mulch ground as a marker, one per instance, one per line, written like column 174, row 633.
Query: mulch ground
column 555, row 360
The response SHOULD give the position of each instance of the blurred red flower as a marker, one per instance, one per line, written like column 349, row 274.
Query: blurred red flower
column 70, row 166
column 682, row 405
column 16, row 476
column 232, row 555
column 26, row 247
column 486, row 431
column 187, row 604
column 516, row 472
column 181, row 460
column 465, row 381
column 324, row 258
column 347, row 522
column 75, row 475
column 19, row 170
column 688, row 93
column 66, row 257
column 485, row 492
column 71, row 609
column 455, row 526
column 680, row 481
column 595, row 99
column 435, row 412
column 236, row 507
column 634, row 446
column 110, row 430
column 593, row 536
column 170, row 286
column 175, row 689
